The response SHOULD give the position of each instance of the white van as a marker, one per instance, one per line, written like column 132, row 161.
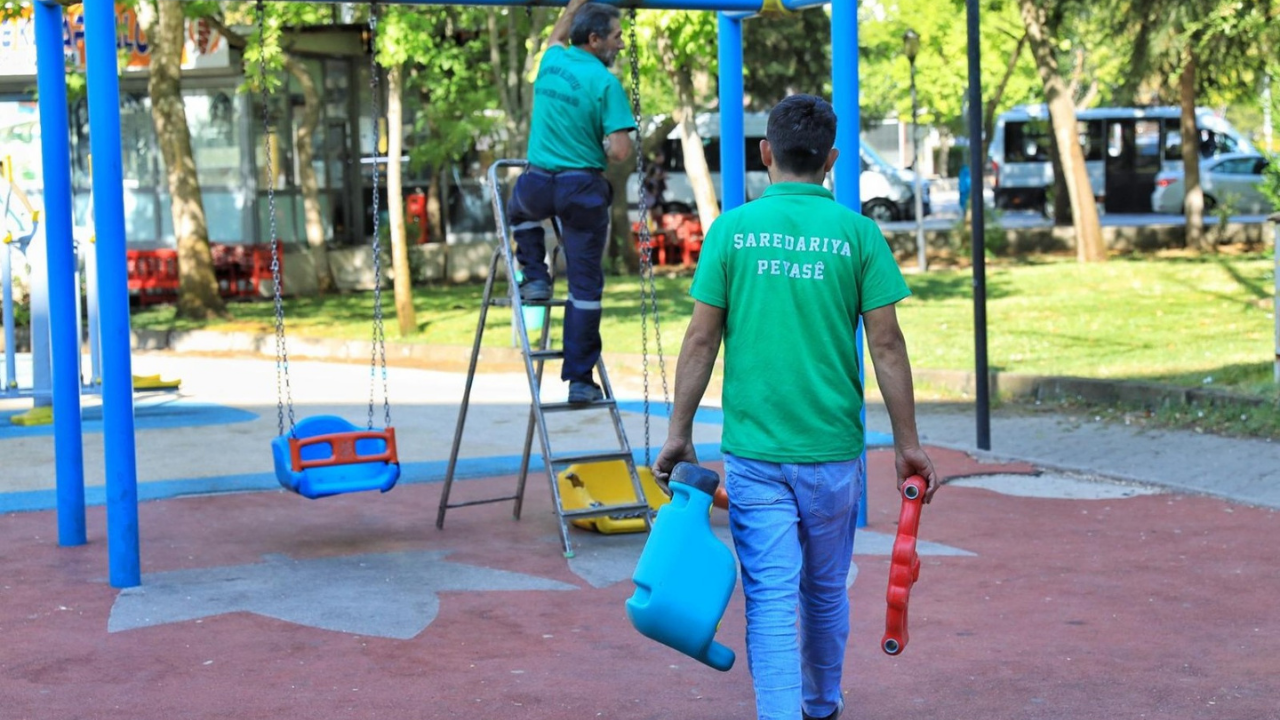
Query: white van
column 1124, row 150
column 887, row 192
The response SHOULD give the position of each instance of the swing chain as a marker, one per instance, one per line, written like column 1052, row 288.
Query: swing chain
column 379, row 349
column 284, row 391
column 648, row 287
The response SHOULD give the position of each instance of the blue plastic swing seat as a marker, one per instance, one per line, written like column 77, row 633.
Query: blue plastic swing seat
column 339, row 474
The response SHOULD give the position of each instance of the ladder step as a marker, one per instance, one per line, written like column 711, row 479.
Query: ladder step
column 628, row 510
column 590, row 457
column 570, row 407
column 487, row 501
column 546, row 355
column 506, row 302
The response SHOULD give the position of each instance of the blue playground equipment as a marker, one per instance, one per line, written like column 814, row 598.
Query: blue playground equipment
column 325, row 455
column 103, row 88
column 685, row 575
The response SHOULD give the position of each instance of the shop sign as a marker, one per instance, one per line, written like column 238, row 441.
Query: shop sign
column 203, row 46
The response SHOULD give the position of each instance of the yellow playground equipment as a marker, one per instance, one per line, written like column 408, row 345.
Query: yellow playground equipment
column 607, row 483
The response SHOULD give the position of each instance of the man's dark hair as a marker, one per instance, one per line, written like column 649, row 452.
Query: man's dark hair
column 592, row 18
column 801, row 131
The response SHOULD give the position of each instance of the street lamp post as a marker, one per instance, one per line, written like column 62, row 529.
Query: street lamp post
column 911, row 45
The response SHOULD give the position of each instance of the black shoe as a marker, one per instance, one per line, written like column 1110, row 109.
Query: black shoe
column 581, row 391
column 535, row 291
column 833, row 716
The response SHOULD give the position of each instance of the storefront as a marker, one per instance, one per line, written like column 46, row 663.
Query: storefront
column 226, row 126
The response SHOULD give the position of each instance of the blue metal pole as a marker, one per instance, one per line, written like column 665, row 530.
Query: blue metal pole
column 113, row 295
column 750, row 7
column 844, row 97
column 733, row 159
column 64, row 296
column 789, row 5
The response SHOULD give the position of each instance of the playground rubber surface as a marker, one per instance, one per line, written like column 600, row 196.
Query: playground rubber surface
column 1042, row 593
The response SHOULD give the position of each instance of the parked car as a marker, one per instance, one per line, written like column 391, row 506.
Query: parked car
column 887, row 192
column 1234, row 178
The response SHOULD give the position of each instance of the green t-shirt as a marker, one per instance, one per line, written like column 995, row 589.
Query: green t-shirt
column 576, row 103
column 794, row 270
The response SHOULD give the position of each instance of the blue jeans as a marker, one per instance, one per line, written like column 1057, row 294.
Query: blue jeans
column 793, row 529
column 579, row 200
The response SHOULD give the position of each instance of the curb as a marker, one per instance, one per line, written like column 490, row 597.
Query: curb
column 1003, row 385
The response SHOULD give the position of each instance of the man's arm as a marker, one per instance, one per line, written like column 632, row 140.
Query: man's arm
column 893, row 375
column 617, row 145
column 693, row 372
column 560, row 31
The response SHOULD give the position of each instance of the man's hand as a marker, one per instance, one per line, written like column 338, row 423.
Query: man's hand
column 914, row 461
column 560, row 31
column 675, row 450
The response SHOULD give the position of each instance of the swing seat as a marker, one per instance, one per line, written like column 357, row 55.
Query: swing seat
column 607, row 483
column 326, row 455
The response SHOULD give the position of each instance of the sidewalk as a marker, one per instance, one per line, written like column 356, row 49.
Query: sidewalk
column 1049, row 590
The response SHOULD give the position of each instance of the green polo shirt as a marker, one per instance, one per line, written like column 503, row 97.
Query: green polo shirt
column 576, row 103
column 794, row 270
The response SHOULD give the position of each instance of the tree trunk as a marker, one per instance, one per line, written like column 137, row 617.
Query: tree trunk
column 307, row 180
column 1194, row 203
column 695, row 158
column 198, row 296
column 403, row 276
column 435, row 220
column 1062, row 110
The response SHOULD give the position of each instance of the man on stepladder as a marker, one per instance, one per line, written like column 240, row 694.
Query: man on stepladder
column 581, row 120
column 784, row 280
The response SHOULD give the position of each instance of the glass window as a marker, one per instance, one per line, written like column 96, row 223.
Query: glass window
column 1027, row 141
column 215, row 144
column 1091, row 139
column 1235, row 166
column 281, row 165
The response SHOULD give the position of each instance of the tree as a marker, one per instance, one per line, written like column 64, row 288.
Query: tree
column 1176, row 38
column 682, row 41
column 308, row 183
column 198, row 296
column 515, row 43
column 265, row 55
column 1062, row 113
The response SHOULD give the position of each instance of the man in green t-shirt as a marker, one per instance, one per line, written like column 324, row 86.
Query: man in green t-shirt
column 784, row 280
column 581, row 121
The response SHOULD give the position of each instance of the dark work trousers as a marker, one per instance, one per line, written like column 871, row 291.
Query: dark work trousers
column 579, row 201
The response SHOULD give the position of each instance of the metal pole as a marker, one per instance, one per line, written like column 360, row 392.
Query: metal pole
column 64, row 294
column 113, row 296
column 921, row 250
column 1275, row 276
column 848, row 169
column 982, row 400
column 733, row 160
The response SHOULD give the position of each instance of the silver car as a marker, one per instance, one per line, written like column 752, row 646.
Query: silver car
column 1234, row 179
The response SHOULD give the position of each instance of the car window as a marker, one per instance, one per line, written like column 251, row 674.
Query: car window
column 1260, row 166
column 1235, row 166
column 1027, row 141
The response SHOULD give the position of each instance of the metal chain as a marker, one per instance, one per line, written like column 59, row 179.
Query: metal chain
column 284, row 392
column 648, row 288
column 379, row 350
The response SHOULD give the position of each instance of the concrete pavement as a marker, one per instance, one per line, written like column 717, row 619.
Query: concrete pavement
column 1081, row 570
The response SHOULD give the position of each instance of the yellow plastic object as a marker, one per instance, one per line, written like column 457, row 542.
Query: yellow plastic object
column 153, row 382
column 34, row 416
column 607, row 483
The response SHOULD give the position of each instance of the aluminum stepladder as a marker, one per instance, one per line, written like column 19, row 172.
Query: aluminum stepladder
column 534, row 358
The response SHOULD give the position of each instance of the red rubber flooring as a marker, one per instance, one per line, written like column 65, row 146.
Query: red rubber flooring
column 1161, row 606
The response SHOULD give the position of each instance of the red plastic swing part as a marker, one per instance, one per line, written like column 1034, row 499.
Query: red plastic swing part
column 342, row 449
column 904, row 569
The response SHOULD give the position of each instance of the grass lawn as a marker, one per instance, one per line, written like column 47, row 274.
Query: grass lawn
column 1197, row 321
